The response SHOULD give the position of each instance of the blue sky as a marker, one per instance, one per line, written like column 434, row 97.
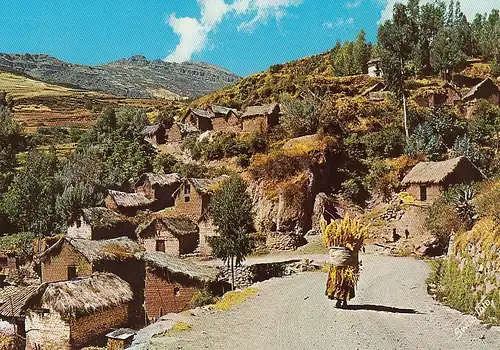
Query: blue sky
column 244, row 36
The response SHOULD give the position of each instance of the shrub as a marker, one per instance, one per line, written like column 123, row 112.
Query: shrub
column 463, row 146
column 487, row 202
column 243, row 161
column 300, row 117
column 354, row 190
column 425, row 140
column 164, row 163
column 381, row 180
column 202, row 298
column 389, row 142
column 442, row 220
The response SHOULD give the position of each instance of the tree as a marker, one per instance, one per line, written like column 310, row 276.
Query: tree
column 300, row 117
column 231, row 211
column 82, row 178
column 30, row 200
column 11, row 142
column 362, row 52
column 446, row 54
column 396, row 39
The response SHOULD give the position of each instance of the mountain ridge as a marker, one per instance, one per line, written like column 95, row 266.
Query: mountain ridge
column 133, row 77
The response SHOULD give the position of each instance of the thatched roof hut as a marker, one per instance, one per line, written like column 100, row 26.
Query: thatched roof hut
column 187, row 129
column 207, row 186
column 160, row 180
column 129, row 200
column 152, row 130
column 201, row 113
column 101, row 217
column 256, row 111
column 162, row 261
column 83, row 296
column 178, row 226
column 223, row 111
column 436, row 173
column 484, row 89
column 117, row 249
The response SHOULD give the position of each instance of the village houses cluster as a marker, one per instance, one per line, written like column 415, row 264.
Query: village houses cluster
column 120, row 267
column 255, row 119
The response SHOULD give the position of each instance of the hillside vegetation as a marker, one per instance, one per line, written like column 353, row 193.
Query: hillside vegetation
column 312, row 74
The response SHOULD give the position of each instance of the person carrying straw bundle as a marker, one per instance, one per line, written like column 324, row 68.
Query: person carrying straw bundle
column 344, row 238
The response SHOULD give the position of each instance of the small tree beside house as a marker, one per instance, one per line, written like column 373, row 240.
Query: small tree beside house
column 231, row 212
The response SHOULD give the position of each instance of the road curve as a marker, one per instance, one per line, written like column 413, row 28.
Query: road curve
column 392, row 310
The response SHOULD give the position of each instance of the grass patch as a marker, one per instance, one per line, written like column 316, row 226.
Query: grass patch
column 455, row 289
column 177, row 328
column 236, row 298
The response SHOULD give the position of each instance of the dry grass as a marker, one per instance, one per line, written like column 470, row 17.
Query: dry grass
column 236, row 298
column 178, row 327
column 22, row 87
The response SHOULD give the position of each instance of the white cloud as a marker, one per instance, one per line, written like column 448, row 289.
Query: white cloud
column 469, row 7
column 339, row 22
column 193, row 33
column 353, row 4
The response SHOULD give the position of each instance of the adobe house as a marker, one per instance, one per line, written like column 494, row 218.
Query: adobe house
column 374, row 68
column 159, row 188
column 180, row 131
column 200, row 118
column 259, row 119
column 377, row 92
column 192, row 199
column 8, row 264
column 101, row 223
column 72, row 258
column 154, row 134
column 76, row 313
column 12, row 300
column 171, row 284
column 127, row 203
column 485, row 90
column 120, row 339
column 226, row 119
column 428, row 180
column 438, row 96
column 175, row 236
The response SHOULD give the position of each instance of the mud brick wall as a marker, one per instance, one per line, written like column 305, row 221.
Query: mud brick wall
column 93, row 327
column 174, row 134
column 255, row 125
column 55, row 268
column 166, row 293
column 207, row 229
column 192, row 209
column 46, row 332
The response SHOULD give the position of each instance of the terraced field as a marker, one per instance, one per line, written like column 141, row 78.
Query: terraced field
column 38, row 104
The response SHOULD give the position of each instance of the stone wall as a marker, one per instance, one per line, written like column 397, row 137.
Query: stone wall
column 247, row 275
column 284, row 241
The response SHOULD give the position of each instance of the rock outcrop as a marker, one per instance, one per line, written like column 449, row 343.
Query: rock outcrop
column 135, row 77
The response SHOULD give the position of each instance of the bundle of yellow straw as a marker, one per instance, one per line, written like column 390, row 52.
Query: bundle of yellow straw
column 348, row 233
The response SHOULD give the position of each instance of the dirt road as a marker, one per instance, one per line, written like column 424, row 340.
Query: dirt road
column 392, row 310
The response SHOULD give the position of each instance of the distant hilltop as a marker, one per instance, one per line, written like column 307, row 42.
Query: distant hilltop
column 133, row 77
